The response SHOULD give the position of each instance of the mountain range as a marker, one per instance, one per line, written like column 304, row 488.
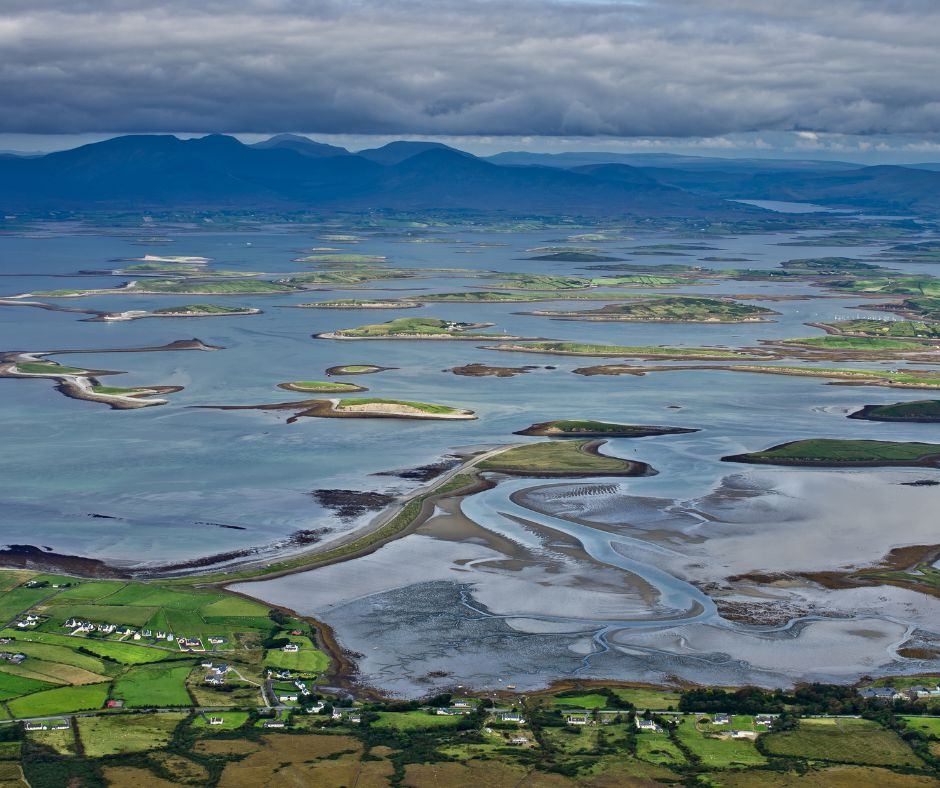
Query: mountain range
column 293, row 172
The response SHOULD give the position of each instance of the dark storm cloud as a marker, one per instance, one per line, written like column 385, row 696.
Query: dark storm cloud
column 670, row 68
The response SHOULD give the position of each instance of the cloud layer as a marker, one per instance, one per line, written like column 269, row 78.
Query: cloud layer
column 678, row 68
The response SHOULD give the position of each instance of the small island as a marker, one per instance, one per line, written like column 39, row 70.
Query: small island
column 886, row 329
column 673, row 309
column 613, row 351
column 174, row 287
column 414, row 328
column 186, row 310
column 574, row 458
column 321, row 386
column 358, row 408
column 583, row 428
column 836, row 453
column 477, row 370
column 82, row 384
column 522, row 296
column 854, row 344
column 925, row 411
column 574, row 257
column 357, row 369
column 359, row 303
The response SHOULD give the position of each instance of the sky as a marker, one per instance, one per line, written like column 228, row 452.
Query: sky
column 849, row 79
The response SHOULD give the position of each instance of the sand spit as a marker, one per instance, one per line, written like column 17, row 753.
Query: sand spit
column 84, row 384
column 333, row 409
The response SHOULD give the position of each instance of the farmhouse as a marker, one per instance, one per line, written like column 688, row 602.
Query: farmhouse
column 578, row 719
column 291, row 648
column 648, row 725
column 721, row 719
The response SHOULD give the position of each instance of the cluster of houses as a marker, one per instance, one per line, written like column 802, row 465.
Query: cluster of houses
column 216, row 674
column 47, row 725
column 78, row 627
column 890, row 694
column 12, row 657
column 456, row 709
column 28, row 621
column 347, row 713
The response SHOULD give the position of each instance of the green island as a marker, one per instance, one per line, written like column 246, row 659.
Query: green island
column 202, row 309
column 173, row 286
column 569, row 458
column 834, row 452
column 897, row 285
column 927, row 308
column 414, row 328
column 549, row 282
column 320, row 386
column 889, row 329
column 670, row 309
column 571, row 256
column 904, row 378
column 864, row 344
column 356, row 369
column 926, row 411
column 342, row 258
column 507, row 296
column 355, row 408
column 921, row 252
column 585, row 428
column 345, row 277
column 359, row 303
column 652, row 351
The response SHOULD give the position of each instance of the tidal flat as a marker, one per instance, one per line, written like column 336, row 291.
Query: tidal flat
column 706, row 572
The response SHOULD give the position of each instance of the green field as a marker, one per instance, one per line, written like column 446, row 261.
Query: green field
column 119, row 734
column 230, row 720
column 843, row 741
column 154, row 685
column 566, row 456
column 588, row 700
column 116, row 390
column 12, row 686
column 62, row 700
column 928, row 725
column 414, row 720
column 583, row 349
column 48, row 368
column 835, row 451
column 125, row 653
column 717, row 752
column 307, row 660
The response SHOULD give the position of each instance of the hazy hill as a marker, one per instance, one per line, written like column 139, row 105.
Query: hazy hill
column 217, row 171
